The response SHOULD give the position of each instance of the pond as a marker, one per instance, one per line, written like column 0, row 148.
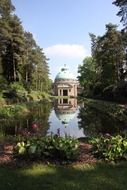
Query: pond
column 67, row 117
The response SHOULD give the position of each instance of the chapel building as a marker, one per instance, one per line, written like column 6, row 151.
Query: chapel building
column 65, row 83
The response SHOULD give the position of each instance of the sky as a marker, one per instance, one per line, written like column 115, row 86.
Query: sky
column 62, row 27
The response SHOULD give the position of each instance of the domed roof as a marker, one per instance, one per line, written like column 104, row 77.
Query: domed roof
column 64, row 74
column 65, row 118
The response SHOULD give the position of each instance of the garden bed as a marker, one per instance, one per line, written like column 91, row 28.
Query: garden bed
column 7, row 156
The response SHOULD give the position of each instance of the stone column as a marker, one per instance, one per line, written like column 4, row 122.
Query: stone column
column 58, row 92
column 75, row 90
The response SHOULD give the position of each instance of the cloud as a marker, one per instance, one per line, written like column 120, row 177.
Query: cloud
column 66, row 50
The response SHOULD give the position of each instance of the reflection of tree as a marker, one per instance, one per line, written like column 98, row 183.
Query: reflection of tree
column 36, row 122
column 40, row 115
column 95, row 121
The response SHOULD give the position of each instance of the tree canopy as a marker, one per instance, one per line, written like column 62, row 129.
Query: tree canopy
column 106, row 69
column 122, row 4
column 21, row 58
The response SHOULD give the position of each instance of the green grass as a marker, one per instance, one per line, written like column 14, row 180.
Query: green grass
column 81, row 177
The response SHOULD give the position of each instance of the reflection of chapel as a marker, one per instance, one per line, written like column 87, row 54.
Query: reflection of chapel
column 65, row 83
column 65, row 109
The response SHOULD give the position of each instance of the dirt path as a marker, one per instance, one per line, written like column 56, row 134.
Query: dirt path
column 6, row 152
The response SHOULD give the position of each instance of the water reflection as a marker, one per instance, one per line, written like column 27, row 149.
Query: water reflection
column 63, row 118
column 35, row 123
column 66, row 116
column 94, row 121
column 65, row 110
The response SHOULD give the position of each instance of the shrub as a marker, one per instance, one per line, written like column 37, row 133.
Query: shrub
column 3, row 84
column 110, row 148
column 55, row 147
column 120, row 92
column 15, row 93
column 12, row 111
column 2, row 101
column 108, row 92
column 98, row 89
column 17, row 87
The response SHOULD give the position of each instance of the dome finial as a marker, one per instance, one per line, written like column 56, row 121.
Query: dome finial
column 64, row 74
column 64, row 68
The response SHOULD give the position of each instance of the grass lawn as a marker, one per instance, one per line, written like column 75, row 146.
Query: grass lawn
column 79, row 177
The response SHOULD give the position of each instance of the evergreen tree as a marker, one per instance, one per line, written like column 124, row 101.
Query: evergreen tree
column 21, row 59
column 6, row 8
column 108, row 51
column 11, row 46
column 122, row 4
column 35, row 67
column 13, row 57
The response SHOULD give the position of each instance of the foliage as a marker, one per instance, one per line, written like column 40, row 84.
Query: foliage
column 2, row 101
column 102, row 117
column 116, row 92
column 106, row 71
column 3, row 84
column 17, row 87
column 108, row 51
column 30, row 120
column 22, row 61
column 12, row 111
column 108, row 92
column 110, row 148
column 56, row 147
column 120, row 92
column 98, row 89
column 122, row 4
column 87, row 74
column 36, row 95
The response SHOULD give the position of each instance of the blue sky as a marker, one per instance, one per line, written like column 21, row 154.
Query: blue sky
column 62, row 27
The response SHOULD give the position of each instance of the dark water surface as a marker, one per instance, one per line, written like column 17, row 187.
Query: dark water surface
column 66, row 116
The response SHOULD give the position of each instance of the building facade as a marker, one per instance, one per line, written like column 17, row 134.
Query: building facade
column 65, row 83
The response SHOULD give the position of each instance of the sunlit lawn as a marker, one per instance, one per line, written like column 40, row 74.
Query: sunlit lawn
column 85, row 177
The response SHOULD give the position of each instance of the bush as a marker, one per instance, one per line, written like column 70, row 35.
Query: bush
column 108, row 92
column 12, row 111
column 120, row 92
column 98, row 89
column 15, row 93
column 56, row 147
column 3, row 84
column 116, row 93
column 110, row 148
column 2, row 101
column 17, row 87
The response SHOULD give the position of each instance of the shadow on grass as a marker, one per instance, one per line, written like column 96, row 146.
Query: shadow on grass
column 79, row 177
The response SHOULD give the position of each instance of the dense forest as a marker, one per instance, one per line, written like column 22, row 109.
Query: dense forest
column 104, row 74
column 23, row 64
column 24, row 67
